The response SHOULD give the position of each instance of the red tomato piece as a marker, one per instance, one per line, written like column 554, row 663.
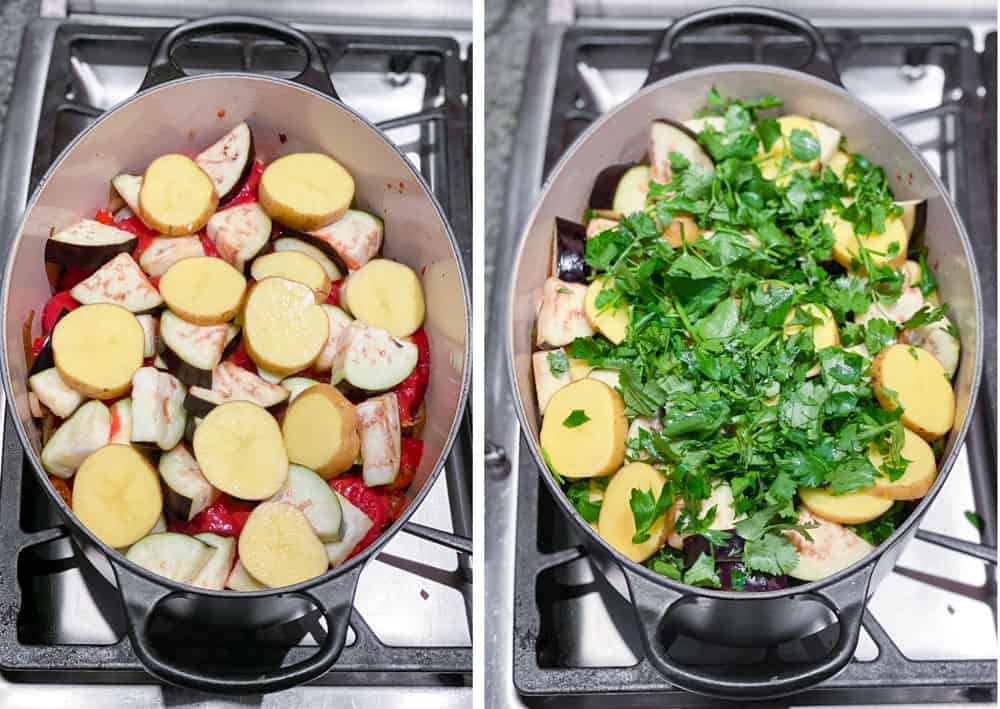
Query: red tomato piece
column 410, row 452
column 334, row 297
column 372, row 501
column 208, row 246
column 52, row 311
column 36, row 345
column 104, row 217
column 411, row 391
column 226, row 517
column 240, row 358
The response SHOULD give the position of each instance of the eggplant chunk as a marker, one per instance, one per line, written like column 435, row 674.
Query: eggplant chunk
column 83, row 433
column 721, row 499
column 373, row 360
column 339, row 322
column 569, row 246
column 833, row 547
column 378, row 424
column 594, row 447
column 128, row 186
column 547, row 380
column 911, row 378
column 667, row 137
column 829, row 141
column 121, row 421
column 296, row 386
column 88, row 244
column 351, row 241
column 199, row 401
column 355, row 527
column 53, row 391
column 317, row 500
column 198, row 346
column 177, row 557
column 239, row 233
column 228, row 161
column 561, row 315
column 937, row 338
column 187, row 490
column 914, row 216
column 233, row 383
column 149, row 327
column 616, row 523
column 157, row 258
column 909, row 302
column 120, row 282
column 619, row 190
column 215, row 572
column 158, row 414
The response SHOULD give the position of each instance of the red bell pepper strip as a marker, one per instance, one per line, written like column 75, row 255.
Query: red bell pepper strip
column 397, row 503
column 53, row 310
column 334, row 297
column 411, row 450
column 208, row 246
column 226, row 516
column 104, row 217
column 370, row 500
column 240, row 358
column 135, row 225
column 410, row 392
column 248, row 192
column 36, row 345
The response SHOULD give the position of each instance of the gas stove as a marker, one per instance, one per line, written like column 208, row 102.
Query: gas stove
column 62, row 642
column 563, row 637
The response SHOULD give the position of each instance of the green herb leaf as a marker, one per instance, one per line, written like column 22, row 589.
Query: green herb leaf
column 804, row 145
column 577, row 417
column 558, row 363
column 974, row 519
column 702, row 573
column 771, row 554
column 588, row 504
column 645, row 510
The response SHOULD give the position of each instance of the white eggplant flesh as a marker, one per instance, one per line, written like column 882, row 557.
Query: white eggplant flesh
column 187, row 491
column 239, row 233
column 158, row 414
column 241, row 580
column 937, row 338
column 373, row 359
column 307, row 491
column 666, row 138
column 120, row 282
column 200, row 346
column 561, row 316
column 829, row 141
column 546, row 382
column 339, row 322
column 215, row 572
column 128, row 186
column 121, row 422
column 53, row 391
column 356, row 237
column 233, row 383
column 297, row 385
column 378, row 424
column 176, row 556
column 833, row 547
column 157, row 258
column 149, row 326
column 80, row 435
column 355, row 526
column 229, row 160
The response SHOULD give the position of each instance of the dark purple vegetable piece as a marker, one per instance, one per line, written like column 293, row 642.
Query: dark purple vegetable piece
column 88, row 257
column 602, row 195
column 197, row 405
column 729, row 558
column 44, row 359
column 189, row 375
column 569, row 246
column 752, row 580
column 696, row 545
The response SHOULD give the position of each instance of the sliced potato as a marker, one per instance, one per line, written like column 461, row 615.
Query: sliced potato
column 177, row 197
column 824, row 334
column 295, row 266
column 320, row 430
column 278, row 546
column 97, row 348
column 846, row 242
column 306, row 191
column 911, row 377
column 771, row 168
column 839, row 162
column 284, row 329
column 241, row 452
column 681, row 229
column 593, row 448
column 612, row 322
column 203, row 290
column 850, row 508
column 616, row 523
column 116, row 494
column 920, row 474
column 386, row 294
column 832, row 548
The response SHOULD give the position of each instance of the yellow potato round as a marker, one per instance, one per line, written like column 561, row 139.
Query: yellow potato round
column 594, row 448
column 920, row 474
column 203, row 290
column 386, row 294
column 682, row 228
column 97, row 348
column 824, row 334
column 306, row 191
column 610, row 322
column 279, row 547
column 616, row 524
column 285, row 330
column 845, row 242
column 177, row 197
column 771, row 167
column 852, row 508
column 320, row 429
column 117, row 496
column 914, row 378
column 295, row 266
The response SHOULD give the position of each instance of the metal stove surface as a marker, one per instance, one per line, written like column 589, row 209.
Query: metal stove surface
column 581, row 620
column 415, row 593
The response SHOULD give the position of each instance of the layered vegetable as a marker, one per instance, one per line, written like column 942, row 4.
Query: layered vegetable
column 207, row 405
column 744, row 369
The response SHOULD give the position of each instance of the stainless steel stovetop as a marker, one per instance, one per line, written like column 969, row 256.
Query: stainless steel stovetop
column 939, row 605
column 415, row 593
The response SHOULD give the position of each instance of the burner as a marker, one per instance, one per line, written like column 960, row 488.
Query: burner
column 574, row 637
column 411, row 625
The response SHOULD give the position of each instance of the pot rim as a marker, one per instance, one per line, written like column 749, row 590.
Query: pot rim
column 116, row 557
column 631, row 567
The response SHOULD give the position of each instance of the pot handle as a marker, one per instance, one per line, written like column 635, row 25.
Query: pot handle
column 845, row 598
column 163, row 68
column 820, row 62
column 140, row 598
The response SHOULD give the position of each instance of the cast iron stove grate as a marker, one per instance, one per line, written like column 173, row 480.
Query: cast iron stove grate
column 561, row 603
column 62, row 621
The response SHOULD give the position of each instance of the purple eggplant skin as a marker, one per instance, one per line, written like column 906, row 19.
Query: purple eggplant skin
column 247, row 168
column 196, row 406
column 569, row 247
column 150, row 451
column 86, row 257
column 752, row 580
column 189, row 376
column 176, row 504
column 330, row 252
column 45, row 359
column 602, row 195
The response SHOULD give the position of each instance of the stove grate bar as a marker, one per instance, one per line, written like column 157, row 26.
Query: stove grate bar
column 980, row 551
column 432, row 114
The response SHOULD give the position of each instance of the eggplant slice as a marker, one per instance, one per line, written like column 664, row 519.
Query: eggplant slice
column 569, row 247
column 229, row 161
column 88, row 245
column 667, row 137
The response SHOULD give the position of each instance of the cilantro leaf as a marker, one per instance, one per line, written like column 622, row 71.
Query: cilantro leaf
column 580, row 494
column 771, row 554
column 851, row 475
column 576, row 418
column 645, row 510
column 703, row 573
column 558, row 363
column 804, row 145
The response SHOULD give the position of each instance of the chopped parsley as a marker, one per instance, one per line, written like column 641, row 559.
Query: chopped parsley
column 577, row 417
column 558, row 363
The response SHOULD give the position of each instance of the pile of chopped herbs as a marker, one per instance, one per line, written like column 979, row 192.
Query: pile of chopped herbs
column 706, row 348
